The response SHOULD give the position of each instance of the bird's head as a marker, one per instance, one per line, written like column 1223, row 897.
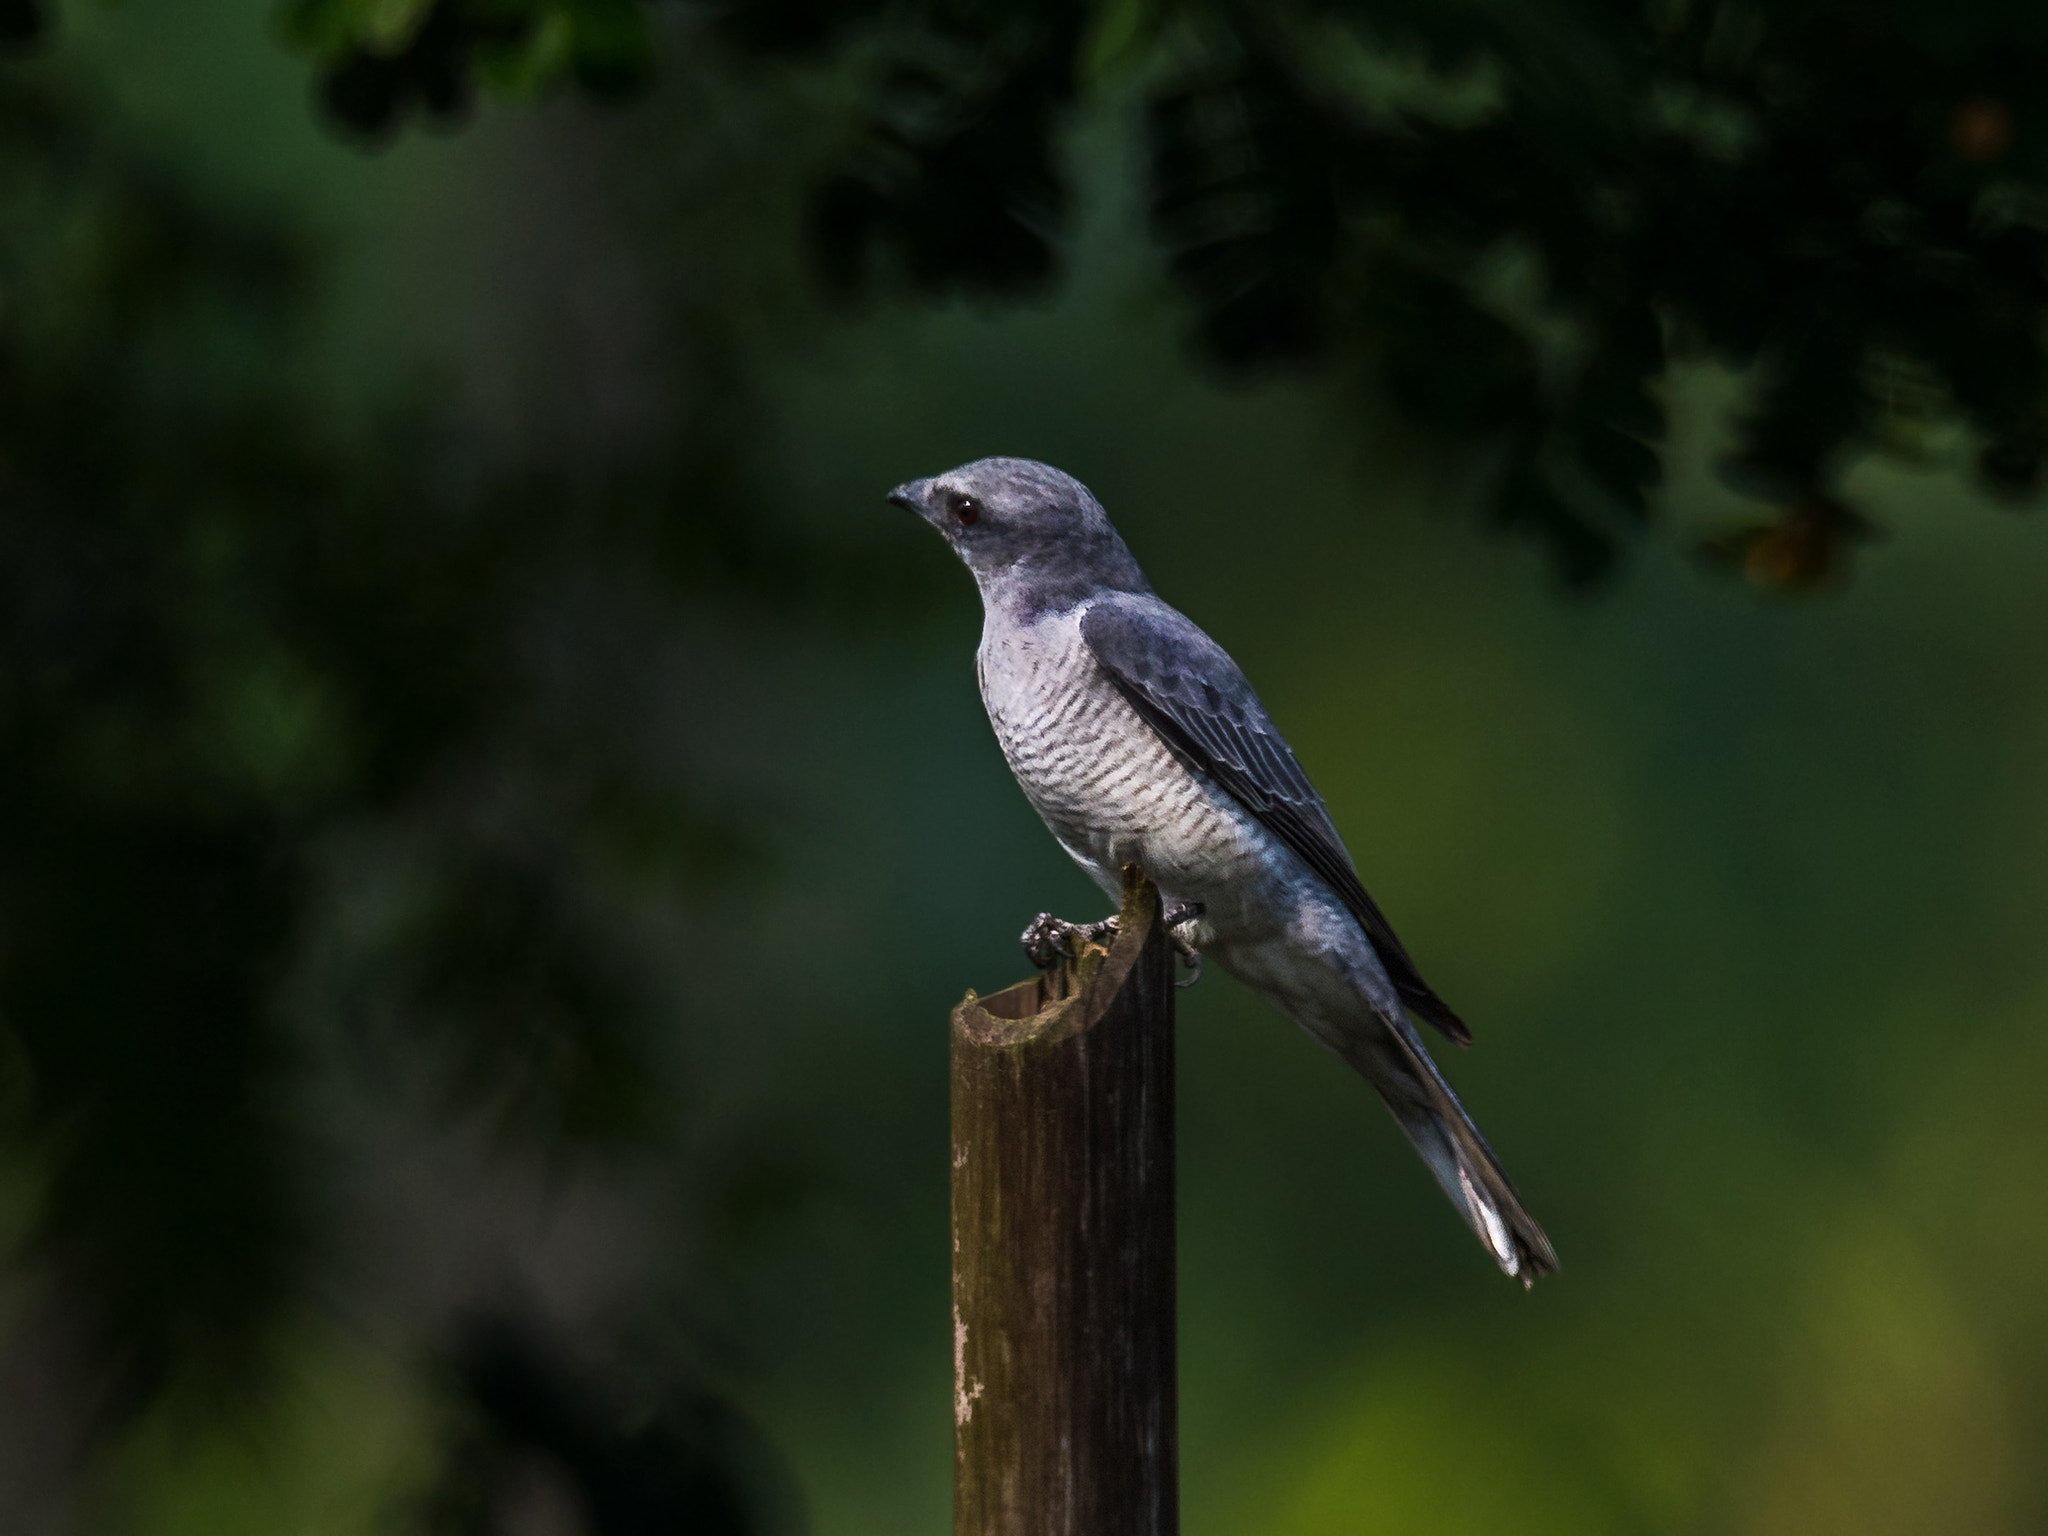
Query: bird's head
column 1029, row 533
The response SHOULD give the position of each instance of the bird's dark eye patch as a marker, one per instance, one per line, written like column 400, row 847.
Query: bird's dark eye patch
column 965, row 509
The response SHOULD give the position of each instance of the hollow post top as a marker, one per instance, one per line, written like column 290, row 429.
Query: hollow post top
column 1049, row 1008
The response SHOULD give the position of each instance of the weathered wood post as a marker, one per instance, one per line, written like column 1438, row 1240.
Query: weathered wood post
column 1064, row 1388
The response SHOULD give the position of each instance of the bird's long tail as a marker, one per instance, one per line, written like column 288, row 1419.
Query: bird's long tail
column 1390, row 1055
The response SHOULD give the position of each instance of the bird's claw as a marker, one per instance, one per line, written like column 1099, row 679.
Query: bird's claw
column 1049, row 940
column 1045, row 941
column 1190, row 956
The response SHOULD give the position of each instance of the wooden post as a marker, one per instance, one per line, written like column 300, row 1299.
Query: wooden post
column 1064, row 1390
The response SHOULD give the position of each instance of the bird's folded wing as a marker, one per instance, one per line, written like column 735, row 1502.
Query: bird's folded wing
column 1185, row 686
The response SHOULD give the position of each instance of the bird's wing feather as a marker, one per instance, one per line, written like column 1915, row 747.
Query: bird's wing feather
column 1185, row 686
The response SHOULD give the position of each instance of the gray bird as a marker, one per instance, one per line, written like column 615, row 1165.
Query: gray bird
column 1139, row 741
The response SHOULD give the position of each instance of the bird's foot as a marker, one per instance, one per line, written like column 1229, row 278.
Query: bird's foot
column 1049, row 940
column 1190, row 956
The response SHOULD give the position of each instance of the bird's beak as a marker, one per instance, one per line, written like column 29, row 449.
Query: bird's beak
column 910, row 496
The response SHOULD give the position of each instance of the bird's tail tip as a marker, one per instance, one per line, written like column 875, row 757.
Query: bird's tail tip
column 1394, row 1062
column 1494, row 1211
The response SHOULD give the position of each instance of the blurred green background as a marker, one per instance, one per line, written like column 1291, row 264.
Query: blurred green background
column 498, row 811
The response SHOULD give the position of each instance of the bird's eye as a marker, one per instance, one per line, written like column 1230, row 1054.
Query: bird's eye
column 966, row 510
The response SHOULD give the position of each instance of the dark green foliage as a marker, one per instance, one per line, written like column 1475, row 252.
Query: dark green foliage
column 692, row 1465
column 149, row 878
column 960, row 178
column 1795, row 193
column 1242, row 202
column 381, row 63
column 371, row 92
column 1809, row 192
column 21, row 21
column 794, row 27
column 232, row 646
column 141, row 955
column 519, row 1003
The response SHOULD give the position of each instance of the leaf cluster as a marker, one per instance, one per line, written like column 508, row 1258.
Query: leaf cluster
column 381, row 61
column 1511, row 220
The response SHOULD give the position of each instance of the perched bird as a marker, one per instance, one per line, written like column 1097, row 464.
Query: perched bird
column 1139, row 741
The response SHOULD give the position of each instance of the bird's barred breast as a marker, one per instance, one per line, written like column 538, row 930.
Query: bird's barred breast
column 1105, row 784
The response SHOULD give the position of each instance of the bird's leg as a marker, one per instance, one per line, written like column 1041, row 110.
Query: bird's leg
column 1049, row 940
column 1190, row 956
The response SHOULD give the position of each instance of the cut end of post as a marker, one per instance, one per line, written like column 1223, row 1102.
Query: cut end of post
column 1031, row 1008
